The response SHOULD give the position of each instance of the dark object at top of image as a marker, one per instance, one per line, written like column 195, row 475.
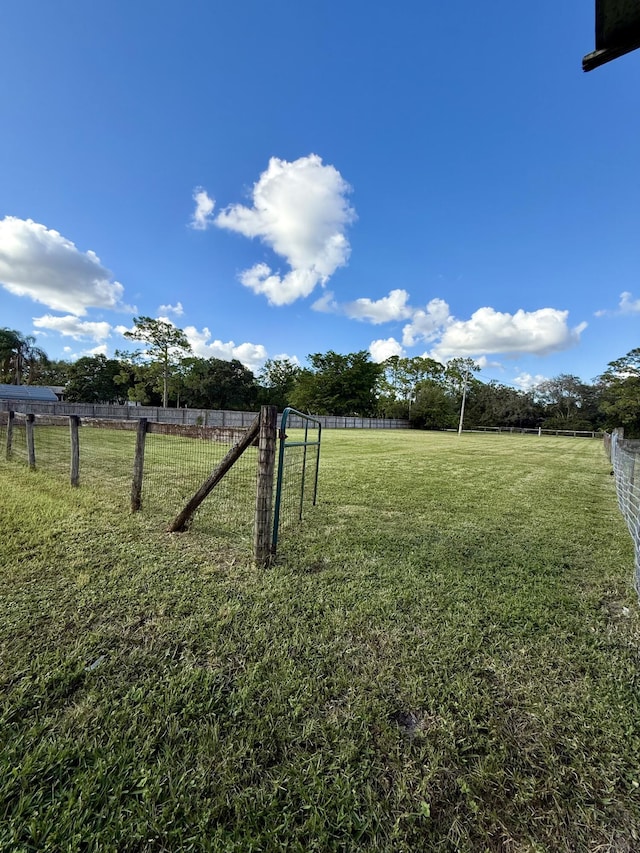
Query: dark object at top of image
column 617, row 31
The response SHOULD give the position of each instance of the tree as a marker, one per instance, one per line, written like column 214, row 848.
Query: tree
column 94, row 379
column 434, row 408
column 278, row 377
column 401, row 379
column 141, row 379
column 54, row 372
column 212, row 383
column 620, row 394
column 20, row 358
column 459, row 372
column 493, row 404
column 338, row 384
column 9, row 344
column 565, row 398
column 458, row 375
column 166, row 345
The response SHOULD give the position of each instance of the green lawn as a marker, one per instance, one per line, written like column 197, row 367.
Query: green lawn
column 445, row 659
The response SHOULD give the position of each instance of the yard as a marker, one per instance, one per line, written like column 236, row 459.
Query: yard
column 444, row 658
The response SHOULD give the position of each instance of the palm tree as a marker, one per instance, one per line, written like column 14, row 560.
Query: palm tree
column 19, row 356
column 10, row 341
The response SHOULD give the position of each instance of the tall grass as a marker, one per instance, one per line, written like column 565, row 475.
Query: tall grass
column 445, row 658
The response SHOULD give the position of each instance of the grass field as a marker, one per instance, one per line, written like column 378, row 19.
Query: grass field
column 445, row 659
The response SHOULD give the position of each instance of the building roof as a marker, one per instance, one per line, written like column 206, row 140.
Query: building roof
column 37, row 393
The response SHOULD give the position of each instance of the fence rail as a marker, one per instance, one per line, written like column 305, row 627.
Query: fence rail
column 575, row 433
column 202, row 417
column 625, row 458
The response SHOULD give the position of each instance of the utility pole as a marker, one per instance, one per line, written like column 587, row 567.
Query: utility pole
column 464, row 399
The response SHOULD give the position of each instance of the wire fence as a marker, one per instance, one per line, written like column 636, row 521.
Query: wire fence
column 53, row 448
column 175, row 466
column 625, row 458
column 168, row 466
column 19, row 450
column 106, row 456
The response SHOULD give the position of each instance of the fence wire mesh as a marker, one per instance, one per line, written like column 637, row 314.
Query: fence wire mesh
column 625, row 457
column 106, row 457
column 52, row 444
column 176, row 466
column 19, row 451
column 105, row 454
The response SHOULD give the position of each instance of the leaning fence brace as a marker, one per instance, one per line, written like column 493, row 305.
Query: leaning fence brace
column 262, row 430
column 625, row 458
column 180, row 522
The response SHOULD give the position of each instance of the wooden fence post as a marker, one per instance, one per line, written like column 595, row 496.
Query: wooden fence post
column 11, row 415
column 74, row 423
column 264, row 491
column 31, row 445
column 138, row 466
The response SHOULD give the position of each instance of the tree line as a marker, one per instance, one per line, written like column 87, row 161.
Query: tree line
column 164, row 371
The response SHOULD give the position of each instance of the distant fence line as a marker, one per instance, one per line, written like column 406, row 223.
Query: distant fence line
column 625, row 458
column 576, row 433
column 199, row 417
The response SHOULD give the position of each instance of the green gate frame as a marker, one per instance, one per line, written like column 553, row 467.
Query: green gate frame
column 284, row 444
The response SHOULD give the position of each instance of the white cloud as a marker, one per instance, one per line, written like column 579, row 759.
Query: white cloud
column 483, row 362
column 489, row 331
column 279, row 291
column 120, row 330
column 300, row 210
column 626, row 305
column 383, row 349
column 99, row 350
column 176, row 309
column 389, row 308
column 74, row 356
column 252, row 356
column 203, row 214
column 525, row 381
column 427, row 324
column 326, row 304
column 629, row 305
column 283, row 356
column 71, row 327
column 44, row 265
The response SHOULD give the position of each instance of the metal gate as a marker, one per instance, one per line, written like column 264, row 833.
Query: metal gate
column 298, row 465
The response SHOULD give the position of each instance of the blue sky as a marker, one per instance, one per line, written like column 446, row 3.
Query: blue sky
column 289, row 178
